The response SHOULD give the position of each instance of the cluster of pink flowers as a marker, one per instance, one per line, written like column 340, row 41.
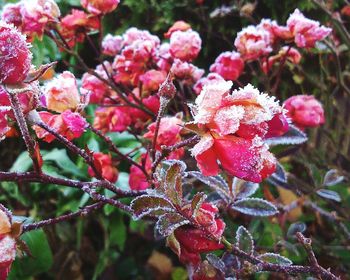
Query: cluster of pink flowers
column 7, row 243
column 232, row 127
column 258, row 42
column 31, row 16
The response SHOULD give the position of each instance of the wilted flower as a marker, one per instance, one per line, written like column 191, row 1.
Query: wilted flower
column 11, row 13
column 100, row 6
column 15, row 57
column 104, row 165
column 252, row 43
column 112, row 45
column 185, row 45
column 68, row 124
column 62, row 93
column 304, row 111
column 228, row 65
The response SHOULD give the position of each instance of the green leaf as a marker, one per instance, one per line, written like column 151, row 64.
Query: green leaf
column 255, row 207
column 118, row 232
column 244, row 240
column 275, row 258
column 42, row 256
column 173, row 181
column 22, row 164
column 61, row 158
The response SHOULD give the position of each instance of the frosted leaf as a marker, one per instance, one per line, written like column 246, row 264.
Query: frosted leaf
column 242, row 189
column 332, row 178
column 275, row 258
column 228, row 119
column 197, row 202
column 216, row 262
column 150, row 205
column 244, row 240
column 328, row 194
column 169, row 222
column 294, row 136
column 255, row 207
column 280, row 173
column 214, row 182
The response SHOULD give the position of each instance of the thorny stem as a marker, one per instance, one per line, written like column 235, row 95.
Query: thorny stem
column 82, row 212
column 164, row 101
column 31, row 144
column 279, row 71
column 290, row 269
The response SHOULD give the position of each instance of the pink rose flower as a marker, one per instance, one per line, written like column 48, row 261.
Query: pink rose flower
column 62, row 93
column 68, row 124
column 137, row 179
column 185, row 45
column 187, row 72
column 253, row 43
column 152, row 79
column 177, row 26
column 228, row 65
column 212, row 78
column 112, row 119
column 15, row 57
column 112, row 45
column 304, row 111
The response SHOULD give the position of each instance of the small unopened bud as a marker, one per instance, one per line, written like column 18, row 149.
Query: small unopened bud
column 167, row 89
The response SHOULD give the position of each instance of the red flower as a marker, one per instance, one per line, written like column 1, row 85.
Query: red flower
column 232, row 126
column 194, row 241
column 305, row 111
column 15, row 57
column 100, row 6
column 151, row 80
column 104, row 165
column 137, row 179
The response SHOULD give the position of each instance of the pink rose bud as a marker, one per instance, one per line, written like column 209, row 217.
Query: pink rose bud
column 304, row 111
column 15, row 57
column 185, row 45
column 62, row 93
column 100, row 6
column 228, row 65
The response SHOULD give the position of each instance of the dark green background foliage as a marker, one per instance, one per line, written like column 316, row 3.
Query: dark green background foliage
column 108, row 244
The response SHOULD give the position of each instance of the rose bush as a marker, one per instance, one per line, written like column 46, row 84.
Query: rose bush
column 127, row 132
